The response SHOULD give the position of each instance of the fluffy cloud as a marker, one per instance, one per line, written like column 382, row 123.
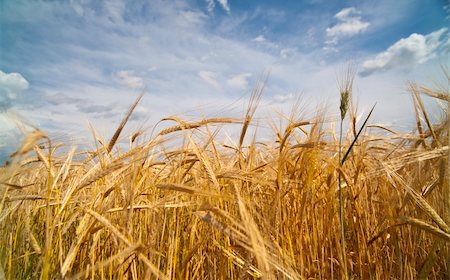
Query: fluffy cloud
column 130, row 79
column 405, row 53
column 349, row 24
column 259, row 39
column 12, row 85
column 239, row 81
column 209, row 77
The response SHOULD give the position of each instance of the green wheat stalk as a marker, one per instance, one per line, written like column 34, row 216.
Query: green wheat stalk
column 345, row 98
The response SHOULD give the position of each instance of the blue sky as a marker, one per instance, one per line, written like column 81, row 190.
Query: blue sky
column 64, row 63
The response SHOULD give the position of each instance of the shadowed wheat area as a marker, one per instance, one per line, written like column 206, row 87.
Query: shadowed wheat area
column 182, row 204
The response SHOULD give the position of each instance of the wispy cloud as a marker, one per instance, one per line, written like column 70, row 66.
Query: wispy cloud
column 281, row 99
column 349, row 23
column 94, row 108
column 130, row 79
column 225, row 5
column 287, row 52
column 61, row 98
column 12, row 85
column 210, row 5
column 209, row 77
column 115, row 9
column 194, row 17
column 239, row 81
column 406, row 53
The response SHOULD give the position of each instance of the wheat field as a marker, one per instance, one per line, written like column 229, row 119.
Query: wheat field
column 181, row 203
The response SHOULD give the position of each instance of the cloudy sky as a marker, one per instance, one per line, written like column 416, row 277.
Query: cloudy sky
column 64, row 63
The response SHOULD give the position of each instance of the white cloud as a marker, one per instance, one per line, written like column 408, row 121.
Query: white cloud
column 347, row 29
column 130, row 79
column 239, row 81
column 209, row 77
column 225, row 5
column 349, row 24
column 287, row 53
column 405, row 53
column 346, row 14
column 281, row 99
column 259, row 39
column 446, row 46
column 211, row 5
column 12, row 85
column 193, row 17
